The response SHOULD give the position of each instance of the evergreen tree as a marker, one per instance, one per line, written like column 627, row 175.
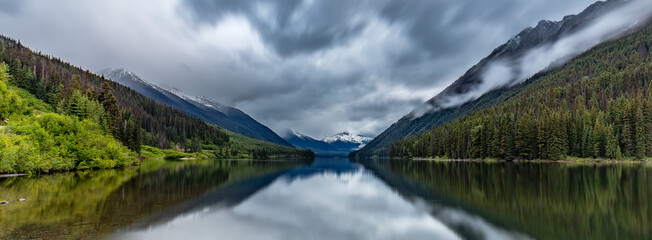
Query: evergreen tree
column 477, row 142
column 75, row 105
column 640, row 134
column 612, row 149
column 627, row 133
column 111, row 107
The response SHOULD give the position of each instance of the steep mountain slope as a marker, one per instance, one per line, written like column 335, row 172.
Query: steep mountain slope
column 203, row 108
column 599, row 105
column 445, row 106
column 339, row 145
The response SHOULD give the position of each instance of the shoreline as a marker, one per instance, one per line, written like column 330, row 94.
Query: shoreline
column 11, row 175
column 529, row 161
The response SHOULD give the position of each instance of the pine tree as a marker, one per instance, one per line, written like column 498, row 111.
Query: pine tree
column 612, row 150
column 477, row 141
column 557, row 142
column 640, row 134
column 647, row 125
column 599, row 133
column 588, row 146
column 523, row 141
column 627, row 133
column 111, row 107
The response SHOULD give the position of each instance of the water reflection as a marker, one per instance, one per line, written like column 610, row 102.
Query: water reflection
column 88, row 205
column 331, row 199
column 544, row 200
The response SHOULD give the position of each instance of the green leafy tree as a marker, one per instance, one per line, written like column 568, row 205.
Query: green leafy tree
column 9, row 102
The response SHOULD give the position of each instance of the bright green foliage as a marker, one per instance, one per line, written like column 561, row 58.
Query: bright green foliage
column 596, row 106
column 9, row 102
column 55, row 142
column 83, row 108
column 33, row 141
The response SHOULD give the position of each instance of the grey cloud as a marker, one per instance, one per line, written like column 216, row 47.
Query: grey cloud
column 446, row 28
column 11, row 7
column 321, row 25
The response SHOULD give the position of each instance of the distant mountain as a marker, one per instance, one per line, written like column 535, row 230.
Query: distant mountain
column 203, row 108
column 338, row 145
column 346, row 141
column 320, row 148
column 439, row 109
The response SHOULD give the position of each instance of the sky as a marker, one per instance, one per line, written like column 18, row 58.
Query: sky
column 317, row 67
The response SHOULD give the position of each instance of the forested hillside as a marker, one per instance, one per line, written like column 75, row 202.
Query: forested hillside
column 597, row 106
column 439, row 109
column 207, row 110
column 46, row 77
column 34, row 139
column 130, row 117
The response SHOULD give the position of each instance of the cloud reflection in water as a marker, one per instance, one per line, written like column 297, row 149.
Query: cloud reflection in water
column 324, row 201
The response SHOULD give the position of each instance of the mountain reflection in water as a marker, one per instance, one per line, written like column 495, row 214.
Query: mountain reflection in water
column 333, row 199
column 330, row 199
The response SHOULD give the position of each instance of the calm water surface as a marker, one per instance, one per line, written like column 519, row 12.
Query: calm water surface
column 333, row 199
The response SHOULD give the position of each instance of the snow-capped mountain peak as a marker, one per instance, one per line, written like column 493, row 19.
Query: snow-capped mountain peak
column 339, row 145
column 123, row 75
column 211, row 103
column 347, row 137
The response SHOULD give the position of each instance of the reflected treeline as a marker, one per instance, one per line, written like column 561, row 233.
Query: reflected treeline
column 87, row 205
column 546, row 200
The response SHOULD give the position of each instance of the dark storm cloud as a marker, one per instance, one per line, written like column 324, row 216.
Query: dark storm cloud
column 448, row 28
column 326, row 22
column 450, row 31
column 315, row 66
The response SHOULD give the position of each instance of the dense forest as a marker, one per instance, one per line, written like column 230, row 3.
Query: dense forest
column 597, row 106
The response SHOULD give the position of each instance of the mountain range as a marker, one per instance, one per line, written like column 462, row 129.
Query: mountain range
column 338, row 145
column 458, row 99
column 203, row 108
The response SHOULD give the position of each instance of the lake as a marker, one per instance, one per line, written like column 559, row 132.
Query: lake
column 333, row 199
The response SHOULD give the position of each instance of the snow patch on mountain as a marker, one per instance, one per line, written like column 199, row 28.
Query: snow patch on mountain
column 347, row 137
column 211, row 103
column 122, row 74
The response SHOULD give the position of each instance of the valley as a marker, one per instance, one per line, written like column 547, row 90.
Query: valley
column 388, row 119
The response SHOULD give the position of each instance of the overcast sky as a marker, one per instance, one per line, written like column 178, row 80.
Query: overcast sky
column 315, row 66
